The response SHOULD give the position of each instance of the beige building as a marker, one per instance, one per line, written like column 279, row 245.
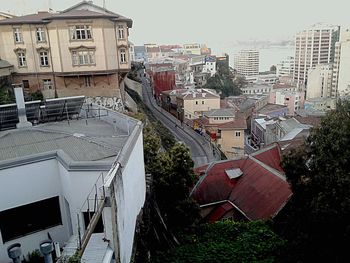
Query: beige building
column 227, row 128
column 5, row 16
column 314, row 46
column 194, row 49
column 341, row 66
column 194, row 102
column 319, row 83
column 81, row 50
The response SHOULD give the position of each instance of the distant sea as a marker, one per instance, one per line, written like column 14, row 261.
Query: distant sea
column 269, row 55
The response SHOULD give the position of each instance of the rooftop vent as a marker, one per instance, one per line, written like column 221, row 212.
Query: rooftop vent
column 14, row 252
column 233, row 173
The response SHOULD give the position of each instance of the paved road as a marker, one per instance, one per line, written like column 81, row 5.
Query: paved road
column 200, row 147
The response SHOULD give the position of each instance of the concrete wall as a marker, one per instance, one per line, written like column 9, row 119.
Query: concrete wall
column 134, row 85
column 41, row 180
column 193, row 109
column 128, row 190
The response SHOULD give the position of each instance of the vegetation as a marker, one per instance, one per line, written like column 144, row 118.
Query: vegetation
column 6, row 96
column 316, row 221
column 224, row 85
column 273, row 68
column 226, row 242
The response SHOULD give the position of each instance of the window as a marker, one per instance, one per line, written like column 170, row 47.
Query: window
column 123, row 55
column 47, row 84
column 22, row 61
column 121, row 32
column 196, row 102
column 26, row 219
column 40, row 34
column 17, row 32
column 202, row 101
column 44, row 58
column 87, row 81
column 81, row 32
column 238, row 134
column 83, row 57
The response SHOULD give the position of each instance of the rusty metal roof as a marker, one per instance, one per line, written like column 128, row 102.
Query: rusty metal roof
column 260, row 193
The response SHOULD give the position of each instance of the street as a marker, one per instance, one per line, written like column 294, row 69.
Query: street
column 200, row 147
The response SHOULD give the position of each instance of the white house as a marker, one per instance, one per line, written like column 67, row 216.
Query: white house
column 77, row 171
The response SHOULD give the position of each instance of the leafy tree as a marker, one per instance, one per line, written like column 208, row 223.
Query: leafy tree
column 317, row 219
column 223, row 85
column 227, row 241
column 273, row 68
column 173, row 178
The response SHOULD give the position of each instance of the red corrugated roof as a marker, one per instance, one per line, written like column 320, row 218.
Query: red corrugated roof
column 260, row 193
column 219, row 211
column 271, row 156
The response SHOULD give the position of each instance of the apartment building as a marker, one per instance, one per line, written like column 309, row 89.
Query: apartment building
column 319, row 84
column 194, row 49
column 341, row 66
column 313, row 46
column 246, row 62
column 81, row 50
column 286, row 67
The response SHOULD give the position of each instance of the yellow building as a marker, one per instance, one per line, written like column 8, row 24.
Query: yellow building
column 227, row 127
column 81, row 50
column 194, row 102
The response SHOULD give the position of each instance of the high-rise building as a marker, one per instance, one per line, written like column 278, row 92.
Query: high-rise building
column 341, row 66
column 313, row 46
column 286, row 67
column 246, row 62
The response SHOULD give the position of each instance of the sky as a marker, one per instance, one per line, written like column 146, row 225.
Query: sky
column 207, row 21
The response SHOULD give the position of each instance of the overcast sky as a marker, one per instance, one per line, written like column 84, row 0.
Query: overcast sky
column 208, row 21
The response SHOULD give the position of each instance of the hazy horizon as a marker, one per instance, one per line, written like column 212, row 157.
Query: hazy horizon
column 224, row 22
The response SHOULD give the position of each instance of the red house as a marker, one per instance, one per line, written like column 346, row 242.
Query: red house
column 251, row 188
column 163, row 79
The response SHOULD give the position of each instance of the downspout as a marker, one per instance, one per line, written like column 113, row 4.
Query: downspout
column 52, row 67
column 34, row 57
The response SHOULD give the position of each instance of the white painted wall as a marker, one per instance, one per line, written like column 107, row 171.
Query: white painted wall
column 27, row 184
column 130, row 197
column 41, row 180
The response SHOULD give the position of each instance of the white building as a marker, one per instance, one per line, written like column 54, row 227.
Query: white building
column 319, row 83
column 286, row 67
column 257, row 89
column 131, row 51
column 341, row 66
column 262, row 79
column 314, row 46
column 209, row 66
column 246, row 62
column 59, row 175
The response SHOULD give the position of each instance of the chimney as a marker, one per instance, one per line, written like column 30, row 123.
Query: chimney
column 21, row 107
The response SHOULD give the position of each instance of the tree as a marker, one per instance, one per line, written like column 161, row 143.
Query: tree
column 224, row 85
column 273, row 68
column 317, row 219
column 227, row 241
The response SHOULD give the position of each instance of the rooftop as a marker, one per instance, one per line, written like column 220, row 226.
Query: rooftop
column 5, row 64
column 84, row 9
column 259, row 193
column 271, row 107
column 220, row 113
column 93, row 137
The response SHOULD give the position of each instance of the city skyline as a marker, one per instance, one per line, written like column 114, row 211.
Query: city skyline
column 188, row 22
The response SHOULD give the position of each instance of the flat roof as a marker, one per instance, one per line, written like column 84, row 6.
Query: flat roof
column 84, row 141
